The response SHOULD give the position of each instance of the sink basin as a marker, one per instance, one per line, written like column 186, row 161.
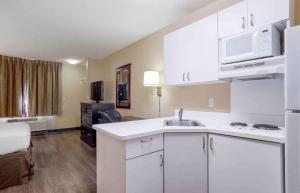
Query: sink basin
column 187, row 123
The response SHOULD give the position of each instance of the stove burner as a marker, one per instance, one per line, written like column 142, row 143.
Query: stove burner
column 266, row 127
column 238, row 124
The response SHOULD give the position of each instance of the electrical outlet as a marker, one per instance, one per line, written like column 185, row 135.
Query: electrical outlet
column 211, row 102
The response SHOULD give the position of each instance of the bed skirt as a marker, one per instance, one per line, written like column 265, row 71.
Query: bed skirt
column 16, row 168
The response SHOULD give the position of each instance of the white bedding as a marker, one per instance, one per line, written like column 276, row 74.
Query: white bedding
column 14, row 137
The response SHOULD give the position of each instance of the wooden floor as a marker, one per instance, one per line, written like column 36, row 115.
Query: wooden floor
column 63, row 164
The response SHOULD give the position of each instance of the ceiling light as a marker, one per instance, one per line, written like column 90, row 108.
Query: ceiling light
column 73, row 61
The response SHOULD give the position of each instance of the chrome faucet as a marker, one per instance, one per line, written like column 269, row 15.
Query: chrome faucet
column 180, row 113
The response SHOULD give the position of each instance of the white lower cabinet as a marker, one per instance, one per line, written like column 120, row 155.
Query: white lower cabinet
column 189, row 163
column 144, row 174
column 132, row 166
column 185, row 163
column 238, row 165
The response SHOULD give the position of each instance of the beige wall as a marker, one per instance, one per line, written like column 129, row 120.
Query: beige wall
column 73, row 92
column 147, row 54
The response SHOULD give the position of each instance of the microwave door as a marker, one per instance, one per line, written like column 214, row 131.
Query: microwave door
column 292, row 70
column 237, row 48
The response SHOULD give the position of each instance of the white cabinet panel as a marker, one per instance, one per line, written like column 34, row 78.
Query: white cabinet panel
column 144, row 174
column 175, row 46
column 203, row 52
column 263, row 12
column 233, row 20
column 185, row 163
column 293, row 152
column 249, row 14
column 240, row 165
column 292, row 68
column 144, row 145
column 191, row 53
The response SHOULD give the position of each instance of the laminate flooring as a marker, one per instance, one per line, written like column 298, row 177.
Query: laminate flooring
column 63, row 164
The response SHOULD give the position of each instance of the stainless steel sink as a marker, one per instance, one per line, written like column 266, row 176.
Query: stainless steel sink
column 187, row 123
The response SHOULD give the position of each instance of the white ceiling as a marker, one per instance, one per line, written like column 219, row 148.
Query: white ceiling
column 60, row 29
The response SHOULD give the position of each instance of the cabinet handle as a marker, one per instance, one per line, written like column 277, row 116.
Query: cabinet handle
column 252, row 20
column 146, row 140
column 183, row 77
column 188, row 76
column 203, row 142
column 244, row 22
column 211, row 144
column 161, row 160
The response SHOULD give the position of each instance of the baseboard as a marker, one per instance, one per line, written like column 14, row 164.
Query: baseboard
column 34, row 133
column 64, row 129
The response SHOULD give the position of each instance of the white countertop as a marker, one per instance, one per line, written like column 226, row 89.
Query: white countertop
column 142, row 128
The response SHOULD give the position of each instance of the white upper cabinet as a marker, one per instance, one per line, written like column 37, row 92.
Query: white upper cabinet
column 191, row 53
column 263, row 12
column 175, row 57
column 202, row 66
column 249, row 14
column 233, row 20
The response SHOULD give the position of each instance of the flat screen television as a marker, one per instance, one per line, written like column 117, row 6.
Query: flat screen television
column 97, row 91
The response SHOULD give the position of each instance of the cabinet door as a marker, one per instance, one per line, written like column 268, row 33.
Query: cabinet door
column 240, row 165
column 175, row 54
column 202, row 53
column 191, row 53
column 185, row 163
column 263, row 12
column 144, row 174
column 233, row 20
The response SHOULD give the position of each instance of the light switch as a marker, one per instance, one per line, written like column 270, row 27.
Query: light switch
column 211, row 102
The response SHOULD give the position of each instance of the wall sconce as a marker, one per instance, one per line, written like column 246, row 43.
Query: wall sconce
column 151, row 78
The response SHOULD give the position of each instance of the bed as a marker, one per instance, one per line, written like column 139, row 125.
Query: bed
column 16, row 165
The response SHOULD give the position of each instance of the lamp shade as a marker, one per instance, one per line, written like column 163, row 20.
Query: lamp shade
column 151, row 78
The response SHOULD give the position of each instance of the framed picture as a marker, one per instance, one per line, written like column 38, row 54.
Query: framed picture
column 123, row 86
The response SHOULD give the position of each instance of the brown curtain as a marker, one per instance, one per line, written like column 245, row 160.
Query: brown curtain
column 42, row 87
column 37, row 86
column 11, row 86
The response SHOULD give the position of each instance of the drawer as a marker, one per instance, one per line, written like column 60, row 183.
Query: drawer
column 144, row 145
column 89, row 116
column 86, row 110
column 86, row 131
column 86, row 121
column 88, row 134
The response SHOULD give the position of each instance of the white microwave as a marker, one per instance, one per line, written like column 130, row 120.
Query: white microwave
column 260, row 43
